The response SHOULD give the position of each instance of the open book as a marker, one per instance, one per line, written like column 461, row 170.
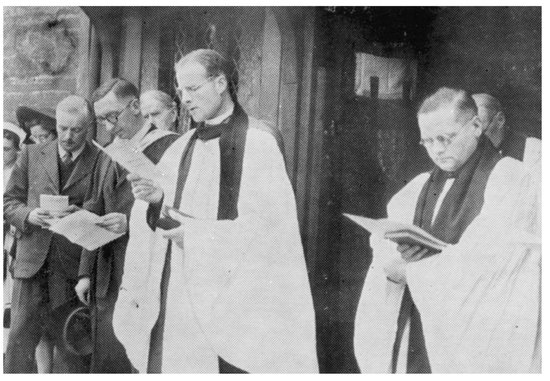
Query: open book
column 398, row 232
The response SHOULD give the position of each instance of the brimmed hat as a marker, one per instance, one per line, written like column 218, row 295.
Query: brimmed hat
column 16, row 130
column 28, row 117
column 77, row 332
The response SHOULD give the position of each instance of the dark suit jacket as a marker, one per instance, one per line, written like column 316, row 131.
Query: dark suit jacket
column 35, row 173
column 111, row 192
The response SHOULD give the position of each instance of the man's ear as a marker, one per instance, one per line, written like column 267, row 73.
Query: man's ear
column 221, row 84
column 478, row 126
column 500, row 119
column 135, row 106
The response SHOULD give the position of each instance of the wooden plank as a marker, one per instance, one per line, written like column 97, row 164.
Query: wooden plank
column 315, row 176
column 288, row 100
column 83, row 69
column 150, row 54
column 271, row 69
column 130, row 60
column 287, row 123
column 303, row 132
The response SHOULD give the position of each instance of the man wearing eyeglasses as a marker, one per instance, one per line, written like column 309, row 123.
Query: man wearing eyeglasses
column 117, row 110
column 45, row 270
column 224, row 289
column 458, row 310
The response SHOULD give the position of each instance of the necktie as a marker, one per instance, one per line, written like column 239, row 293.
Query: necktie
column 67, row 158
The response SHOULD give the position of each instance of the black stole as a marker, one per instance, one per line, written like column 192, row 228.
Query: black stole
column 463, row 201
column 232, row 134
column 232, row 141
column 461, row 205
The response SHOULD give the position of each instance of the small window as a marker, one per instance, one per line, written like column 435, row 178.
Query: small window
column 385, row 78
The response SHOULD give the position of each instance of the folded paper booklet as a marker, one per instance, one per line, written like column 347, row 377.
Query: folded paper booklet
column 130, row 157
column 398, row 232
column 81, row 228
column 55, row 204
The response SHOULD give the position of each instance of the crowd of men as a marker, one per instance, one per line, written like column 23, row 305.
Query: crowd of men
column 209, row 273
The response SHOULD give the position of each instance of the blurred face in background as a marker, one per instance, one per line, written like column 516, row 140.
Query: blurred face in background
column 10, row 152
column 157, row 113
column 41, row 135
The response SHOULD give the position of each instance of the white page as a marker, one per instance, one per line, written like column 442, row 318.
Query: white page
column 382, row 226
column 80, row 228
column 130, row 157
column 54, row 203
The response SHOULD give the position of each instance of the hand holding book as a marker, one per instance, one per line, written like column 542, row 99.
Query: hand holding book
column 413, row 242
column 413, row 253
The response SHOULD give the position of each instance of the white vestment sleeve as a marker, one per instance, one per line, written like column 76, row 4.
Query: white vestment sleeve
column 478, row 298
column 246, row 279
column 376, row 318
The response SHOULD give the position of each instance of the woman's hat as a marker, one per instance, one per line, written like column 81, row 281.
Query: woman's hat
column 28, row 117
column 16, row 130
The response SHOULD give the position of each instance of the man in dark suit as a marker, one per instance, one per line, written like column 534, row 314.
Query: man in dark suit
column 46, row 264
column 117, row 108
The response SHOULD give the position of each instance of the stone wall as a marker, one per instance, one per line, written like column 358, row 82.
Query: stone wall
column 41, row 55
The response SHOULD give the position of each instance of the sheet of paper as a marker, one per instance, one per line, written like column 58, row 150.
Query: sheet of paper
column 54, row 203
column 130, row 157
column 80, row 228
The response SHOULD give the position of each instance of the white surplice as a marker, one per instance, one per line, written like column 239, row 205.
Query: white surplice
column 478, row 300
column 239, row 289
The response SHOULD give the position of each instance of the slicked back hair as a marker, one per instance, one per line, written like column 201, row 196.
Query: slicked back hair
column 459, row 99
column 215, row 64
column 122, row 88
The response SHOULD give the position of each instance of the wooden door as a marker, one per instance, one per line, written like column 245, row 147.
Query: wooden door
column 373, row 151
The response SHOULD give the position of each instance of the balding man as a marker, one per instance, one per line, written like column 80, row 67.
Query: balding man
column 473, row 307
column 46, row 265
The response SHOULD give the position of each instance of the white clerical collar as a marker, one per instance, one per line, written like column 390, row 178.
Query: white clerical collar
column 63, row 152
column 222, row 117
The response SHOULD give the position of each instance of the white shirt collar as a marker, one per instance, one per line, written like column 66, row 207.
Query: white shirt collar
column 74, row 154
column 222, row 117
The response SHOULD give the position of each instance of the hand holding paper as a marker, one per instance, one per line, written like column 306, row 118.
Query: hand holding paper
column 130, row 157
column 175, row 234
column 145, row 189
column 82, row 229
column 39, row 217
column 114, row 222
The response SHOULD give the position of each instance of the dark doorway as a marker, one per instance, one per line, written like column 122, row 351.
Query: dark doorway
column 372, row 151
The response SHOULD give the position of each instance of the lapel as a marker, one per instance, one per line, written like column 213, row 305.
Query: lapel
column 48, row 160
column 83, row 166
